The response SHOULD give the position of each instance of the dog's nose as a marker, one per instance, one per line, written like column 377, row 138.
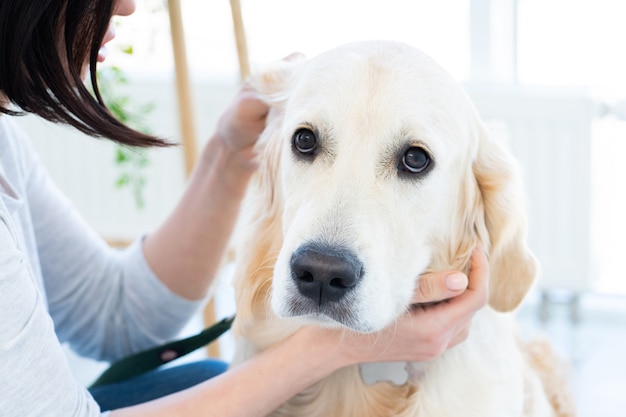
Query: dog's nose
column 325, row 274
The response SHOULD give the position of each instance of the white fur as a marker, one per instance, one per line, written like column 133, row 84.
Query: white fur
column 370, row 207
column 367, row 102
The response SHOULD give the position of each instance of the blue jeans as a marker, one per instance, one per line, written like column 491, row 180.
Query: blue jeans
column 156, row 384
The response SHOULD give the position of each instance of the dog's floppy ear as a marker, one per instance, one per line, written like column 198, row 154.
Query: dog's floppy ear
column 513, row 267
column 273, row 81
column 260, row 228
column 274, row 84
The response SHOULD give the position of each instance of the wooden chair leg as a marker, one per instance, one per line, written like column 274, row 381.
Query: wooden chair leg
column 209, row 318
column 183, row 87
column 185, row 103
column 240, row 38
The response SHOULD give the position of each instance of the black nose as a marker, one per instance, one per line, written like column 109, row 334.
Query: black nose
column 325, row 273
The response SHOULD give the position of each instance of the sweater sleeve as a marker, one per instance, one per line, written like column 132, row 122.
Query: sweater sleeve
column 35, row 378
column 106, row 303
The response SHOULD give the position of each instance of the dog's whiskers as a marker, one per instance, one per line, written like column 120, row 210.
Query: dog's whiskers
column 267, row 262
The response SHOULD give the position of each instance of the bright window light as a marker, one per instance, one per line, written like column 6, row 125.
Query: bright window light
column 276, row 28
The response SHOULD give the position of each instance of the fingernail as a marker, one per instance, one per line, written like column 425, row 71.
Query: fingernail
column 456, row 281
column 294, row 56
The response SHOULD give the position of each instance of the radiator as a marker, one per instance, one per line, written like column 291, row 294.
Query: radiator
column 550, row 134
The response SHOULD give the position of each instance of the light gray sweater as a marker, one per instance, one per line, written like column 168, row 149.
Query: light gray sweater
column 60, row 282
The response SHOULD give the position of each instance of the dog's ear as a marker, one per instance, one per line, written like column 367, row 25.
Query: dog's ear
column 513, row 267
column 273, row 81
column 260, row 226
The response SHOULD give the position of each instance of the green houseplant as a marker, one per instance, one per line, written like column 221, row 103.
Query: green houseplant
column 130, row 161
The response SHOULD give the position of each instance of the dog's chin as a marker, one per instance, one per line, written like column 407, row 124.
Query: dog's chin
column 319, row 320
column 333, row 315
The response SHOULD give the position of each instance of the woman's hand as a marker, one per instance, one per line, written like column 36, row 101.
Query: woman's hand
column 243, row 121
column 427, row 330
column 186, row 251
column 307, row 356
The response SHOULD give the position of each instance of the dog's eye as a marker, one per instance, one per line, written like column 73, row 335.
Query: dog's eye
column 415, row 160
column 305, row 141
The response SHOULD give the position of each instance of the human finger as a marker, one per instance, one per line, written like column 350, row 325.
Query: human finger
column 479, row 274
column 476, row 295
column 438, row 286
column 244, row 120
column 252, row 108
column 460, row 335
column 479, row 269
column 294, row 56
column 250, row 101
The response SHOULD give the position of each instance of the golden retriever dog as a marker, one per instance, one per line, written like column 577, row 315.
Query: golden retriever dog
column 376, row 168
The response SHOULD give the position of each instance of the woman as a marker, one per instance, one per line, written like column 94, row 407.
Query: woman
column 60, row 283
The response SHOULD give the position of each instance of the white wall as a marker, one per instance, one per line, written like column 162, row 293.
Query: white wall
column 85, row 170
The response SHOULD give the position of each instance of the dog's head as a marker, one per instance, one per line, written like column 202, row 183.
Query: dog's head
column 377, row 168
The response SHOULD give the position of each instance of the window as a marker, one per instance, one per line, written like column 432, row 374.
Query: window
column 276, row 28
column 581, row 43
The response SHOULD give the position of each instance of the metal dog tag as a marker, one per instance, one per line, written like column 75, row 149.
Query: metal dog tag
column 394, row 372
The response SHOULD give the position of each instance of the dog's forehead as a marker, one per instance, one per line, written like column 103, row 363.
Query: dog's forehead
column 381, row 88
column 371, row 70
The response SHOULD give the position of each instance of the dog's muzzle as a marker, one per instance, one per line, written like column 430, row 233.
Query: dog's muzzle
column 325, row 274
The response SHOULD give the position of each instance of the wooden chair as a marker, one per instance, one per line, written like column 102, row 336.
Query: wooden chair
column 186, row 114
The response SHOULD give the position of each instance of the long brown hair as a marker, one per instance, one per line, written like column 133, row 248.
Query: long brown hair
column 44, row 45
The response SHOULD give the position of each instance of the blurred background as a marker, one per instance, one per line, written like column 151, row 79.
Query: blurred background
column 552, row 71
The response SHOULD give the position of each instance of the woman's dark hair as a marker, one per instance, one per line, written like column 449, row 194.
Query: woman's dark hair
column 44, row 45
